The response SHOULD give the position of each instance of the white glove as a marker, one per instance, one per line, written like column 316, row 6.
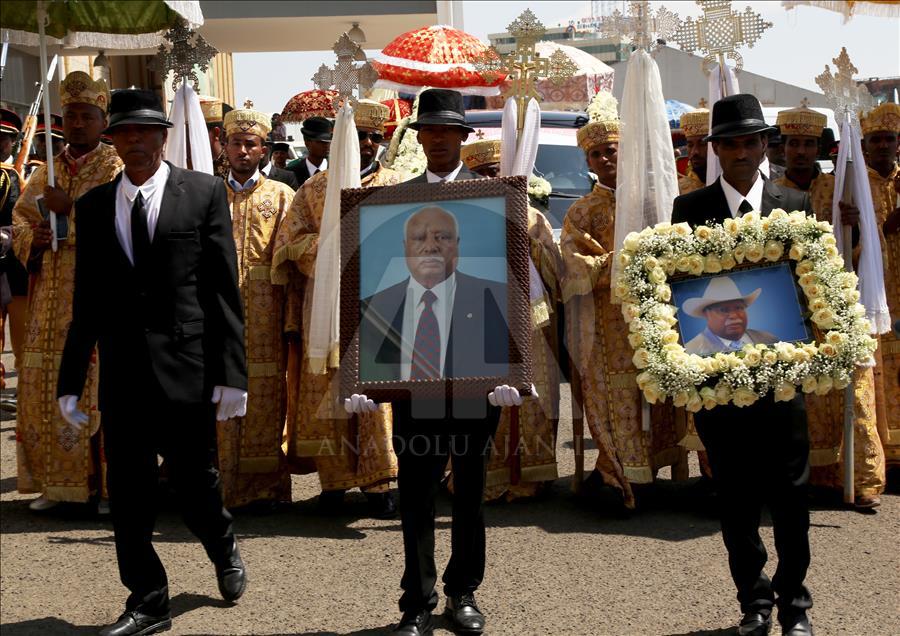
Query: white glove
column 232, row 402
column 357, row 403
column 68, row 408
column 505, row 395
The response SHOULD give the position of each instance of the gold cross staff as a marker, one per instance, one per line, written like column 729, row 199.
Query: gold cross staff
column 640, row 25
column 345, row 77
column 524, row 65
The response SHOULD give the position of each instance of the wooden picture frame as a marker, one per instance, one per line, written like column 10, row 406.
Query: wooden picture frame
column 487, row 341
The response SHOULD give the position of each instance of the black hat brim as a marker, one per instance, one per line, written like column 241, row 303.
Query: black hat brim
column 438, row 119
column 137, row 119
column 316, row 136
column 738, row 129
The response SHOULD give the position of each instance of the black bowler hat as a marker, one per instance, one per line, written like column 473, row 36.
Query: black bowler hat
column 441, row 107
column 317, row 128
column 136, row 106
column 775, row 138
column 10, row 123
column 279, row 145
column 737, row 115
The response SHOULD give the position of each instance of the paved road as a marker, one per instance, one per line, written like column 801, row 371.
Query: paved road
column 560, row 565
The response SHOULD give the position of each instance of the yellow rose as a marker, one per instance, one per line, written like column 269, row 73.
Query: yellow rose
column 665, row 311
column 632, row 242
column 708, row 395
column 773, row 250
column 663, row 293
column 641, row 358
column 711, row 365
column 643, row 379
column 808, row 279
column 785, row 392
column 652, row 392
column 769, row 357
column 827, row 349
column 635, row 340
column 676, row 357
column 696, row 267
column 832, row 252
column 728, row 261
column 732, row 226
column 785, row 351
column 680, row 398
column 817, row 303
column 694, row 403
column 740, row 252
column 765, row 224
column 702, row 232
column 825, row 226
column 646, row 232
column 810, row 349
column 754, row 252
column 663, row 228
column 657, row 276
column 681, row 229
column 841, row 381
column 823, row 318
column 851, row 296
column 813, row 291
column 797, row 217
column 622, row 290
column 835, row 337
column 623, row 259
column 651, row 263
column 749, row 219
column 732, row 361
column 778, row 214
column 683, row 263
column 752, row 357
column 712, row 264
column 668, row 264
column 829, row 239
column 744, row 397
column 630, row 311
column 824, row 385
column 803, row 267
column 670, row 337
column 723, row 393
column 634, row 326
column 796, row 252
column 809, row 384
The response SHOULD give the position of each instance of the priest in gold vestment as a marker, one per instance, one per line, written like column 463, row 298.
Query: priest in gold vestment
column 695, row 125
column 881, row 139
column 55, row 460
column 538, row 418
column 252, row 465
column 596, row 332
column 801, row 129
column 347, row 452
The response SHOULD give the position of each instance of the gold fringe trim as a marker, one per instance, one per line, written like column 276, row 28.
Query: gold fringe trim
column 638, row 475
column 317, row 448
column 286, row 254
column 78, row 494
column 32, row 360
column 540, row 313
column 262, row 369
column 258, row 465
column 623, row 381
column 370, row 483
column 691, row 442
column 259, row 272
column 824, row 456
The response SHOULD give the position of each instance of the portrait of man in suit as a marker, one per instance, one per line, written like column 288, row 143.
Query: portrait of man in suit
column 724, row 308
column 439, row 322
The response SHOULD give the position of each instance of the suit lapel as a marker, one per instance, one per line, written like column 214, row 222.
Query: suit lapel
column 169, row 206
column 771, row 197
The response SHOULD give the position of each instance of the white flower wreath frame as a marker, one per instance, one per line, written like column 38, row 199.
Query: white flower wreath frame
column 649, row 257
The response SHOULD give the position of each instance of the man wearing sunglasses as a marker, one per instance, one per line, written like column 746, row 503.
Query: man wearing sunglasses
column 346, row 453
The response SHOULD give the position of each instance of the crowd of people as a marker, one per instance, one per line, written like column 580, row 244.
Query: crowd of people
column 172, row 320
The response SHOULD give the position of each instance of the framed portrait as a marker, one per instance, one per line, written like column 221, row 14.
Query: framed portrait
column 756, row 304
column 434, row 289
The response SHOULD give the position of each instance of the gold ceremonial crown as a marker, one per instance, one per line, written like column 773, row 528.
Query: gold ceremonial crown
column 695, row 123
column 481, row 153
column 598, row 132
column 370, row 114
column 884, row 118
column 801, row 121
column 79, row 88
column 212, row 109
column 247, row 120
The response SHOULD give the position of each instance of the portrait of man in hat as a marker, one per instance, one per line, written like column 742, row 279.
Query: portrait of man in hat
column 724, row 308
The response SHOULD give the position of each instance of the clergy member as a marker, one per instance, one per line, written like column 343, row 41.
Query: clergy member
column 695, row 125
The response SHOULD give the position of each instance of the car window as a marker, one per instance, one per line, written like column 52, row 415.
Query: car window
column 565, row 168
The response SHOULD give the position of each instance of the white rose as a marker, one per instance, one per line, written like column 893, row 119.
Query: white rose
column 632, row 242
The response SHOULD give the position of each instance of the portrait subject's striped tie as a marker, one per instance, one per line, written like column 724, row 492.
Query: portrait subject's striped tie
column 426, row 358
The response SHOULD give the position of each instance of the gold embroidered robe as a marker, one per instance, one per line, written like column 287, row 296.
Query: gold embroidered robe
column 825, row 413
column 347, row 452
column 689, row 182
column 596, row 334
column 538, row 418
column 52, row 457
column 887, row 370
column 251, row 463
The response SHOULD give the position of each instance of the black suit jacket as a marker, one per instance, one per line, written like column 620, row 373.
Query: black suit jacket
column 178, row 318
column 478, row 343
column 710, row 205
column 301, row 172
column 284, row 176
column 463, row 175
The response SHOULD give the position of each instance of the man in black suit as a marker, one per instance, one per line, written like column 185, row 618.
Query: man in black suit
column 156, row 290
column 429, row 432
column 759, row 454
column 316, row 133
column 272, row 171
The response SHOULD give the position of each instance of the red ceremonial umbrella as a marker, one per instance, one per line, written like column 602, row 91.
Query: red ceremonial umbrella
column 315, row 103
column 399, row 108
column 436, row 56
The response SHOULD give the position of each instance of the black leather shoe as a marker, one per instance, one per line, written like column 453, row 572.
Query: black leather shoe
column 414, row 624
column 134, row 623
column 798, row 627
column 231, row 574
column 381, row 505
column 331, row 501
column 464, row 614
column 754, row 624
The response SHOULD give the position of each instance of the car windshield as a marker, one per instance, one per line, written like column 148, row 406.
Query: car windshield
column 566, row 170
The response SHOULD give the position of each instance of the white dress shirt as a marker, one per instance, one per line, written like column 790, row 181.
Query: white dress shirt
column 237, row 186
column 266, row 169
column 735, row 198
column 313, row 168
column 433, row 178
column 152, row 190
column 445, row 291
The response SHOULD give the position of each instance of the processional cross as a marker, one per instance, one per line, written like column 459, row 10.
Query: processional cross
column 345, row 77
column 640, row 25
column 844, row 95
column 718, row 34
column 524, row 65
column 185, row 52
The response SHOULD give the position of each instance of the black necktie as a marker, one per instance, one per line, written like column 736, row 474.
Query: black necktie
column 140, row 234
column 426, row 358
column 745, row 207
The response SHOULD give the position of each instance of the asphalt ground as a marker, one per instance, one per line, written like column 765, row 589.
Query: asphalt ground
column 562, row 564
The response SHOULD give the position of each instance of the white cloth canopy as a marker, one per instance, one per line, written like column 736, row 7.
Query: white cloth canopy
column 186, row 109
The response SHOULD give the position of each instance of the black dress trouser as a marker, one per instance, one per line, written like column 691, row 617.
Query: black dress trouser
column 426, row 435
column 759, row 456
column 134, row 432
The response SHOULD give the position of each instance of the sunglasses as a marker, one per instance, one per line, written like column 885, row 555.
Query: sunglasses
column 376, row 138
